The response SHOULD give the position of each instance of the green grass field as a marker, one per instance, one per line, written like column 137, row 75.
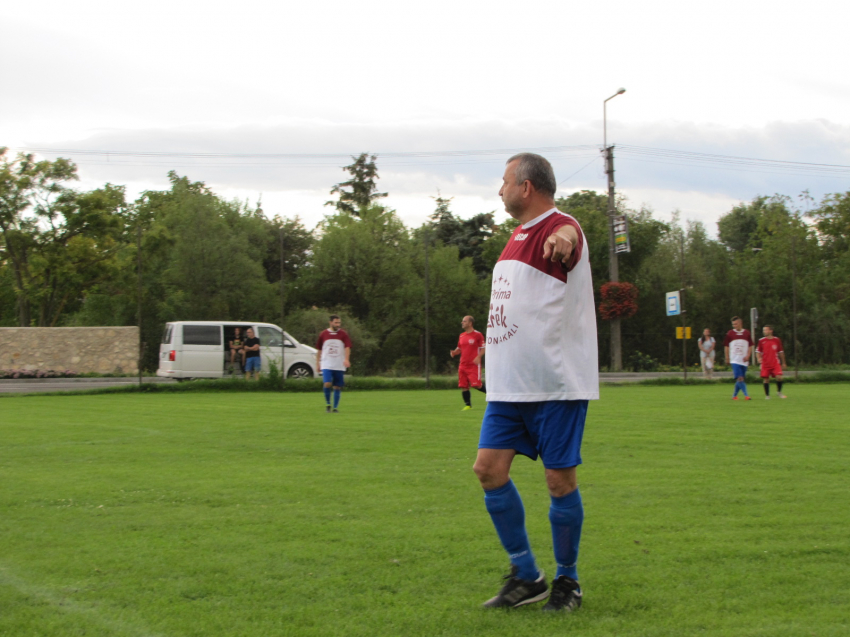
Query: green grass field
column 260, row 515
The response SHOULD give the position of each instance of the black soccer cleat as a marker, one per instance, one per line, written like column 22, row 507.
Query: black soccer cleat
column 336, row 411
column 519, row 592
column 328, row 408
column 565, row 596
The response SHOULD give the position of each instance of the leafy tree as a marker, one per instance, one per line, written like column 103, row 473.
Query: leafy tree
column 469, row 236
column 832, row 220
column 364, row 264
column 201, row 260
column 738, row 229
column 360, row 192
column 495, row 244
column 57, row 242
column 297, row 248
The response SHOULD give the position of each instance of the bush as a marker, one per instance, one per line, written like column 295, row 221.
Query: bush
column 640, row 362
column 8, row 374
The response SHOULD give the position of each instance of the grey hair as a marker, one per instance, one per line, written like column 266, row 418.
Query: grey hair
column 537, row 170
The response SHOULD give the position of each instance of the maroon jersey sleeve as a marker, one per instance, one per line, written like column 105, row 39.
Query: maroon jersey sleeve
column 345, row 339
column 321, row 340
column 559, row 221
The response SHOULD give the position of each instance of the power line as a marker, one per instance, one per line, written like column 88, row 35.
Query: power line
column 304, row 156
column 436, row 158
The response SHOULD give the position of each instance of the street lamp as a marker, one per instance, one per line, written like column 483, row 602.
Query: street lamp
column 605, row 117
column 613, row 266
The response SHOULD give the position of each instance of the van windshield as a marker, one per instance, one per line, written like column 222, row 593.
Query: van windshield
column 270, row 336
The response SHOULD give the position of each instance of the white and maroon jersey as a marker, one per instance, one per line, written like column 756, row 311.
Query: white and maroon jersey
column 332, row 345
column 541, row 333
column 470, row 344
column 739, row 346
column 769, row 348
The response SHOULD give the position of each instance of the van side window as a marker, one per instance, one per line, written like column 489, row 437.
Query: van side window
column 270, row 337
column 166, row 336
column 201, row 335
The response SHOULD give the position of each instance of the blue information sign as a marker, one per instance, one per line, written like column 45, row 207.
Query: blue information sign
column 674, row 306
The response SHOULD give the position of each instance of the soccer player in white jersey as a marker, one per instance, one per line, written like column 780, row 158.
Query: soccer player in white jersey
column 542, row 371
column 738, row 347
column 333, row 357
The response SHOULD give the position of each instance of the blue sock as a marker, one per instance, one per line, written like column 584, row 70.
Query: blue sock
column 508, row 514
column 566, row 515
column 737, row 387
column 336, row 398
column 744, row 387
column 327, row 395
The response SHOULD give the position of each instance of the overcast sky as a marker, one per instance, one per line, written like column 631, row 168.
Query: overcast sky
column 744, row 79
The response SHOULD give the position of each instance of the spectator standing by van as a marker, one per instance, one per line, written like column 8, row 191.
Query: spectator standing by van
column 253, row 362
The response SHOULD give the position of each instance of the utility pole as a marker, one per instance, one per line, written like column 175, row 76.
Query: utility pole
column 794, row 299
column 613, row 266
column 282, row 313
column 682, row 300
column 139, row 295
column 426, row 235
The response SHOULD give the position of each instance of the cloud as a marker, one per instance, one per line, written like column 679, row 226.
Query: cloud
column 463, row 158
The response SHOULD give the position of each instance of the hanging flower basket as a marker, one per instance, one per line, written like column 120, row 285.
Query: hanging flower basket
column 619, row 300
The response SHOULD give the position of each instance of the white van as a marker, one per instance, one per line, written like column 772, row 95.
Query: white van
column 199, row 349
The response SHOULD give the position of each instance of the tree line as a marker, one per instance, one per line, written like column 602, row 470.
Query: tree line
column 74, row 258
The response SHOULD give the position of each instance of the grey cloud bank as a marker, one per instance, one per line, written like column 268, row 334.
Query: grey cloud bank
column 817, row 142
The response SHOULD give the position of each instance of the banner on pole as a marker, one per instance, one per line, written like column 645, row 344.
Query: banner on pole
column 621, row 235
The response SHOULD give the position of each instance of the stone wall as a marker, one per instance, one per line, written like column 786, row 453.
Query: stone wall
column 104, row 350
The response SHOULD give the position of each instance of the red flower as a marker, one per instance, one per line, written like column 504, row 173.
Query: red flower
column 619, row 300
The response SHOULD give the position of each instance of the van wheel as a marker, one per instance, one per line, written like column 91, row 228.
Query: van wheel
column 300, row 371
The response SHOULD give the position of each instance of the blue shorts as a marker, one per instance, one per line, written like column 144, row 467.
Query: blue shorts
column 334, row 376
column 253, row 364
column 739, row 371
column 552, row 429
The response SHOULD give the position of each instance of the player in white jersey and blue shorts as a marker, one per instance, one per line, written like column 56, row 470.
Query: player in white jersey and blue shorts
column 333, row 354
column 542, row 371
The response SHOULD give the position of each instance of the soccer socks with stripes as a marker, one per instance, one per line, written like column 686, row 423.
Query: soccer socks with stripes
column 508, row 514
column 466, row 397
column 566, row 515
column 336, row 398
column 327, row 395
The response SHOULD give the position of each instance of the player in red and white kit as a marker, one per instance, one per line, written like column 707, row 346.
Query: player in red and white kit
column 771, row 357
column 333, row 357
column 470, row 346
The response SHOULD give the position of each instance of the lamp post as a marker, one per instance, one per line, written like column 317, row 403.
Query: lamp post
column 613, row 266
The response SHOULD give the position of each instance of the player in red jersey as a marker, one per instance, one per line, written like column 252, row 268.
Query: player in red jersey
column 771, row 357
column 470, row 346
